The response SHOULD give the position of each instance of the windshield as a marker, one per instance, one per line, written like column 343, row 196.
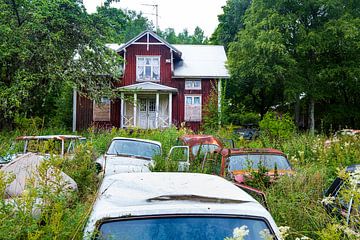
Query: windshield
column 133, row 148
column 190, row 227
column 253, row 161
column 205, row 148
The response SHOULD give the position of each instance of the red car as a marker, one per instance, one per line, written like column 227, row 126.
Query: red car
column 201, row 144
column 239, row 162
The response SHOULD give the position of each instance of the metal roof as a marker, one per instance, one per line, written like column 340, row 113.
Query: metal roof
column 148, row 87
column 201, row 61
column 136, row 194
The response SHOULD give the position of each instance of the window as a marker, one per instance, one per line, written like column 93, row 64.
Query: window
column 193, row 108
column 192, row 84
column 101, row 110
column 148, row 68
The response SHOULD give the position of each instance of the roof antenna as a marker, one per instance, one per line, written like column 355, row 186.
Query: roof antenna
column 156, row 7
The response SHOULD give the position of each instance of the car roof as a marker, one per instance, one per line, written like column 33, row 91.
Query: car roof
column 192, row 139
column 49, row 137
column 235, row 151
column 137, row 139
column 136, row 194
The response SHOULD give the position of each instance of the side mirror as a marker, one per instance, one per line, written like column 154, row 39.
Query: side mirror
column 180, row 154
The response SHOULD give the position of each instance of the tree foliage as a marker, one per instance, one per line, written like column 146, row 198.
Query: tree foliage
column 45, row 46
column 230, row 22
column 288, row 48
column 184, row 37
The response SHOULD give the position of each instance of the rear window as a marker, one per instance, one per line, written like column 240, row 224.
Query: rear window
column 185, row 227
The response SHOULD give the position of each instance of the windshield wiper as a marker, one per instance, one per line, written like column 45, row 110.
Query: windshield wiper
column 196, row 198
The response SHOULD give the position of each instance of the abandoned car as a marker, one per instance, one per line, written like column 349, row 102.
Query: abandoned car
column 239, row 162
column 339, row 202
column 200, row 144
column 61, row 145
column 176, row 206
column 128, row 155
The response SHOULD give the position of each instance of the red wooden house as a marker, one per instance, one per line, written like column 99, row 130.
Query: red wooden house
column 162, row 85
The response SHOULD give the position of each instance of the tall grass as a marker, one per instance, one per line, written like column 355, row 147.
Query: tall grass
column 293, row 201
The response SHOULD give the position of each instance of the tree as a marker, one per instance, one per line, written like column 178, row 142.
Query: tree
column 258, row 61
column 45, row 46
column 230, row 22
column 309, row 48
column 184, row 37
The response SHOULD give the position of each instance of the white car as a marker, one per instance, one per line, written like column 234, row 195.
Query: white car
column 176, row 206
column 129, row 155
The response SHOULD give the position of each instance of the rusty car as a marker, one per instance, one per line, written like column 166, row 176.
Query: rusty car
column 61, row 145
column 239, row 162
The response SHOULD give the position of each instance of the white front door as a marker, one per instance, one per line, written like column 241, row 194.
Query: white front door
column 147, row 112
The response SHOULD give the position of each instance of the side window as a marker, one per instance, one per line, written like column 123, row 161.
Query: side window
column 193, row 84
column 193, row 108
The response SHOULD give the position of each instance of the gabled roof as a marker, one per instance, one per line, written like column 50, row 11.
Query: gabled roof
column 148, row 87
column 154, row 35
column 201, row 61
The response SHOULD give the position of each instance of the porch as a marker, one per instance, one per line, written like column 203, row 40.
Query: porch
column 146, row 105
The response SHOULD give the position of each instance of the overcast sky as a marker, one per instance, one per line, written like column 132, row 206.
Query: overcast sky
column 177, row 14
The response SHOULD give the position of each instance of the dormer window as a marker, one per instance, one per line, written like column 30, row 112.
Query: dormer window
column 148, row 68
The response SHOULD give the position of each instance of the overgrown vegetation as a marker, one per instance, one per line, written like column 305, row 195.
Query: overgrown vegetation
column 294, row 201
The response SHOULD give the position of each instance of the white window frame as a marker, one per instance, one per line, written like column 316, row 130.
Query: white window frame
column 148, row 56
column 192, row 86
column 187, row 116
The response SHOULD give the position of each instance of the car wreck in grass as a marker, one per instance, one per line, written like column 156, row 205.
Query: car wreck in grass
column 342, row 197
column 128, row 155
column 238, row 163
column 59, row 145
column 25, row 172
column 24, row 165
column 176, row 206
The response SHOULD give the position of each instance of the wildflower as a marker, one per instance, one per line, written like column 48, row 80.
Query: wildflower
column 241, row 232
column 350, row 232
column 328, row 200
column 355, row 178
column 303, row 238
column 266, row 235
column 284, row 231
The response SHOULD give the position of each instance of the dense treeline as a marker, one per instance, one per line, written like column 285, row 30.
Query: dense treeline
column 300, row 56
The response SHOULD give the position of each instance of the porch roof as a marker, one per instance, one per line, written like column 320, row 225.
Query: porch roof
column 147, row 87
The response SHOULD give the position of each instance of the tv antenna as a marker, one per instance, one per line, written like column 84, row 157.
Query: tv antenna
column 156, row 7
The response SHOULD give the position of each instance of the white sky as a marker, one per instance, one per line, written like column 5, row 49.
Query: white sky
column 177, row 14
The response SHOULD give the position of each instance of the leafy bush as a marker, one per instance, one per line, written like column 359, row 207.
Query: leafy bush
column 277, row 127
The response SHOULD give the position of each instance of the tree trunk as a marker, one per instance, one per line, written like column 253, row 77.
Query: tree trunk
column 311, row 116
column 297, row 111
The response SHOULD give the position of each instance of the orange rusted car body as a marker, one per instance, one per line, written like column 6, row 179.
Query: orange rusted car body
column 196, row 141
column 240, row 175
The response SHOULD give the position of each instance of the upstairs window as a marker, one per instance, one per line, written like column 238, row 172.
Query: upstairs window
column 193, row 84
column 148, row 68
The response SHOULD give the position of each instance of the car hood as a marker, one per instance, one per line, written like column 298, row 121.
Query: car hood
column 120, row 164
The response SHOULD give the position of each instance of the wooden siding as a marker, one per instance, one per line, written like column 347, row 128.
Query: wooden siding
column 84, row 113
column 85, row 106
column 141, row 50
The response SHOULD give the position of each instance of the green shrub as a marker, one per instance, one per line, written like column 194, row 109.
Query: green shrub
column 277, row 127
